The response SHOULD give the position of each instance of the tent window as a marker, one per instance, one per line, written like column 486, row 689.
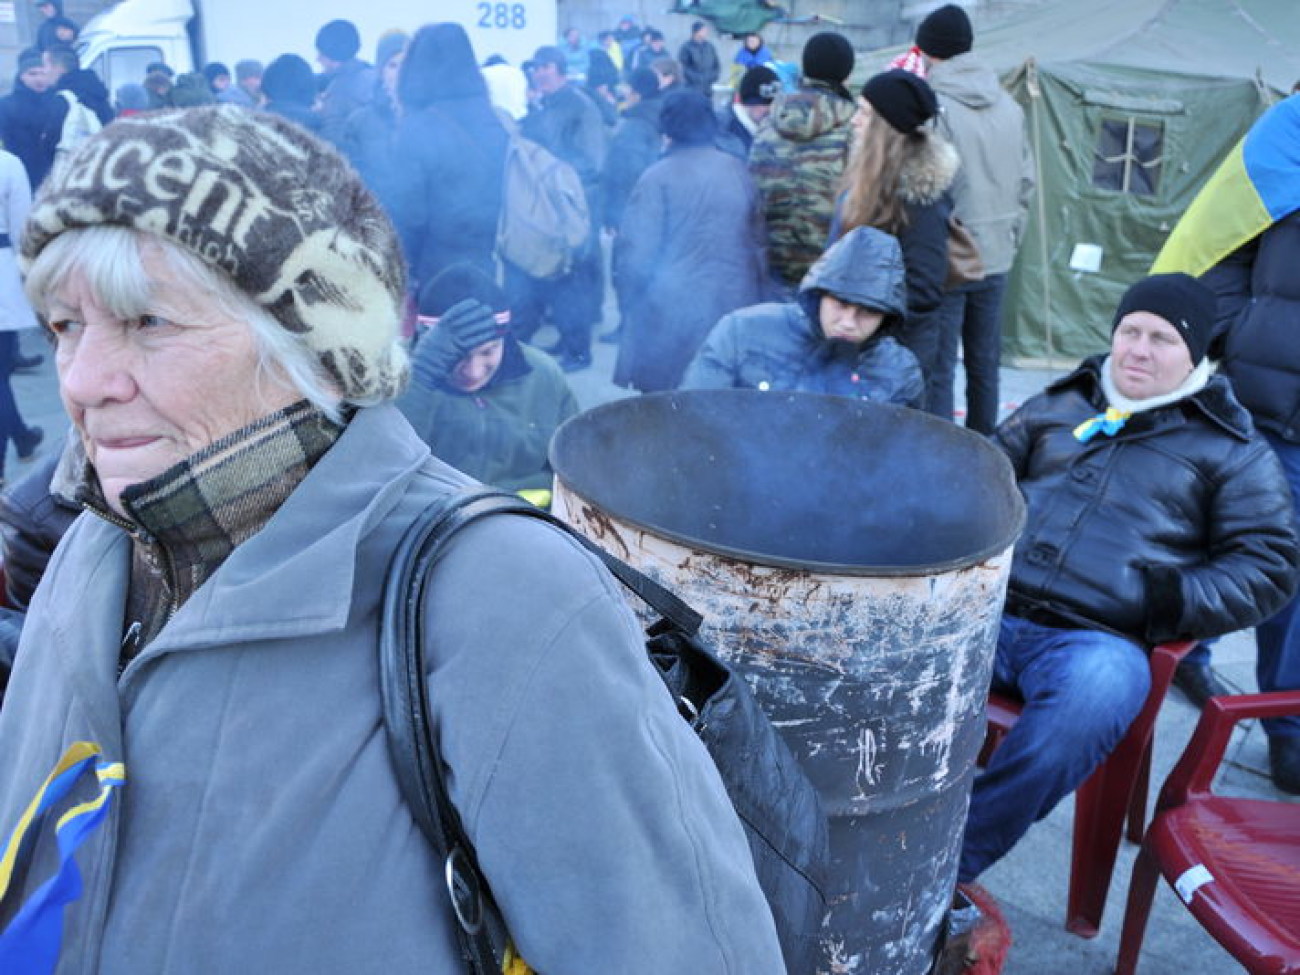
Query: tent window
column 1129, row 154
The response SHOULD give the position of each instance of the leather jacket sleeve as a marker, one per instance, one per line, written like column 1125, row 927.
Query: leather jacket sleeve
column 32, row 521
column 1252, row 552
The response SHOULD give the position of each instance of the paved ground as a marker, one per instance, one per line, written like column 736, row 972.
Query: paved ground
column 1030, row 883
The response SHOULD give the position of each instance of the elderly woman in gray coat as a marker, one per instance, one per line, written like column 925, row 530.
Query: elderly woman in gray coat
column 690, row 248
column 199, row 665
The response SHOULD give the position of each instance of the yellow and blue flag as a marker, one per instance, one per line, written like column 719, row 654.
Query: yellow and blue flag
column 1254, row 187
column 29, row 944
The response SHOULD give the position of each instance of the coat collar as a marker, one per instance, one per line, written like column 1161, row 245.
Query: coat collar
column 1216, row 401
column 295, row 577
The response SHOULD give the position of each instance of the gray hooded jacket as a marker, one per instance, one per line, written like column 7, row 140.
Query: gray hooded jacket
column 993, row 189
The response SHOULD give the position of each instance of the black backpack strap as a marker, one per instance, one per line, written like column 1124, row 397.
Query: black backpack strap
column 402, row 668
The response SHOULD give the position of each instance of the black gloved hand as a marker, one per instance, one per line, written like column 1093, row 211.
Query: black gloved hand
column 462, row 328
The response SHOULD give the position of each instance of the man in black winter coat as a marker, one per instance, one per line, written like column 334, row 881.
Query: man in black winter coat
column 349, row 82
column 699, row 60
column 31, row 117
column 66, row 74
column 1156, row 512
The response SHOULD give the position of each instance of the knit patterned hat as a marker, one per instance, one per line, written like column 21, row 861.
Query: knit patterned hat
column 1182, row 301
column 266, row 202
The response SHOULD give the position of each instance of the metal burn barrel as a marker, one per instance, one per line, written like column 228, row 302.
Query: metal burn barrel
column 851, row 561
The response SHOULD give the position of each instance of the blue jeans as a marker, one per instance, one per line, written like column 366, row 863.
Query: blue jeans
column 973, row 314
column 1082, row 690
column 1277, row 659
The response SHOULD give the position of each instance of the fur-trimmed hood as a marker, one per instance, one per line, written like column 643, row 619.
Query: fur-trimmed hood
column 929, row 169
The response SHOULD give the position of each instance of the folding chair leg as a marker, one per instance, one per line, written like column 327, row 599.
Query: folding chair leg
column 1137, row 806
column 1141, row 892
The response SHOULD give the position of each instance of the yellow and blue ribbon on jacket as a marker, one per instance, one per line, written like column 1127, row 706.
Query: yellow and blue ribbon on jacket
column 29, row 944
column 1254, row 187
column 1109, row 423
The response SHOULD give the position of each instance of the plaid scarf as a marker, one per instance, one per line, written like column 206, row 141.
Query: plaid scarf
column 187, row 520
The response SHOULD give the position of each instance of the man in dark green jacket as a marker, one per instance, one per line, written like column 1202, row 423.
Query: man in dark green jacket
column 481, row 400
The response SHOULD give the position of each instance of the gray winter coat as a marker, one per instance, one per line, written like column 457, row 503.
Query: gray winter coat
column 689, row 250
column 993, row 189
column 782, row 347
column 260, row 827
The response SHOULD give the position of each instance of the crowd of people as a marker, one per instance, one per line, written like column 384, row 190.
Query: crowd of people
column 258, row 416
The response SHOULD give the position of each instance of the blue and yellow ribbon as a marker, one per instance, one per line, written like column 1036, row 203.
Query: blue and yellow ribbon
column 29, row 945
column 1254, row 187
column 1109, row 423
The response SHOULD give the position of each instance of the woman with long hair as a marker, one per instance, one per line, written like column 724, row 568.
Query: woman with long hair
column 446, row 194
column 897, row 180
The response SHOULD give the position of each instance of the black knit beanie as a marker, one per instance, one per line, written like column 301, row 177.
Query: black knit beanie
column 1179, row 299
column 945, row 33
column 828, row 57
column 457, row 282
column 759, row 86
column 338, row 40
column 902, row 99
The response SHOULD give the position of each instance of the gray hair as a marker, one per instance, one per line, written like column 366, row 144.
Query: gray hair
column 109, row 257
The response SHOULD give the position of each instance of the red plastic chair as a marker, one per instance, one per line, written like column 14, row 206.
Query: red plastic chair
column 1115, row 791
column 1237, row 861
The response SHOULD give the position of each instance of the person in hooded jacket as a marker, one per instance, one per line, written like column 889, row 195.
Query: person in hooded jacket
column 637, row 142
column 451, row 145
column 370, row 137
column 836, row 337
column 348, row 82
column 484, row 402
column 1156, row 512
column 290, row 89
column 601, row 86
column 675, row 273
column 898, row 181
column 48, row 33
column 31, row 117
column 798, row 158
column 991, row 197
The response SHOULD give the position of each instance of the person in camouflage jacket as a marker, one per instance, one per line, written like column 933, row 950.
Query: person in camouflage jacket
column 799, row 154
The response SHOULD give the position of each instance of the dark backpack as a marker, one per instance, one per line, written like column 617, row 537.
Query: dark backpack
column 776, row 803
column 544, row 219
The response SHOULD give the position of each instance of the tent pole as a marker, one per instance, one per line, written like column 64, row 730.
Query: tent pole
column 1035, row 101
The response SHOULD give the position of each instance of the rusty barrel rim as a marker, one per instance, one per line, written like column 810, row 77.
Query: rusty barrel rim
column 595, row 434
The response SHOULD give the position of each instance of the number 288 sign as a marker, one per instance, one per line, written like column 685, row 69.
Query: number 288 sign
column 513, row 29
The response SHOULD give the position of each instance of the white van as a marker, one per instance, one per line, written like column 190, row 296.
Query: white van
column 119, row 42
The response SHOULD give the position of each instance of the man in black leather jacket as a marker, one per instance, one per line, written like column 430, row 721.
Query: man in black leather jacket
column 34, row 514
column 1155, row 512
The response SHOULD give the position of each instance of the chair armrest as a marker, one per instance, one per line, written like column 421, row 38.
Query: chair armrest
column 1193, row 775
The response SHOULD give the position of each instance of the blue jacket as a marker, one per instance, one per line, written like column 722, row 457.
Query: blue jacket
column 781, row 346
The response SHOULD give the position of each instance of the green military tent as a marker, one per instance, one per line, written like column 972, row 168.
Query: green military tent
column 1130, row 105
